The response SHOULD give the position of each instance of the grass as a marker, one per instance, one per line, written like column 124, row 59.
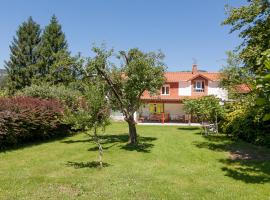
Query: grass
column 170, row 163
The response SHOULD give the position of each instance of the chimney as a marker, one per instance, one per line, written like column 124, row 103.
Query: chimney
column 194, row 69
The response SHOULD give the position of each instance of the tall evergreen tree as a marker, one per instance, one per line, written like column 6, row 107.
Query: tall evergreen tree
column 56, row 64
column 24, row 55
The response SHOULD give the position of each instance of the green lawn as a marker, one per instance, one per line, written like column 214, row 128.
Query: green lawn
column 171, row 163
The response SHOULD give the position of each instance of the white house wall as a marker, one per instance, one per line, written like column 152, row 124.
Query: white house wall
column 174, row 109
column 144, row 110
column 117, row 116
column 214, row 89
column 184, row 88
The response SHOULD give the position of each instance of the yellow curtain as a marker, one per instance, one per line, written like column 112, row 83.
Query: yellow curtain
column 160, row 108
column 151, row 108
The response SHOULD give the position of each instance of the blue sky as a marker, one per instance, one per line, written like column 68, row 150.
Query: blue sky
column 182, row 29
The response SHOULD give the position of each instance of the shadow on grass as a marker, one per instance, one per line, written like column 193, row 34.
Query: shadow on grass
column 246, row 162
column 141, row 147
column 76, row 141
column 189, row 128
column 247, row 171
column 121, row 140
column 29, row 144
column 92, row 164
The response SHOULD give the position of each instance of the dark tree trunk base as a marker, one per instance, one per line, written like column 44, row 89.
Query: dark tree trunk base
column 132, row 131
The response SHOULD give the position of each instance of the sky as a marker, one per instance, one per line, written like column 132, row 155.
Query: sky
column 184, row 30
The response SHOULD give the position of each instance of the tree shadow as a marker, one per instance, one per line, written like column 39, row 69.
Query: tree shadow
column 189, row 128
column 141, row 147
column 92, row 164
column 29, row 144
column 247, row 171
column 212, row 146
column 76, row 141
column 122, row 140
column 246, row 162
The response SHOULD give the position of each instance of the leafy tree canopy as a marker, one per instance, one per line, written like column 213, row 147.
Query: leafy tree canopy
column 126, row 83
column 253, row 22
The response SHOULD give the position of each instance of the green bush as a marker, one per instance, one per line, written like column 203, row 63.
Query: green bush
column 60, row 92
column 244, row 122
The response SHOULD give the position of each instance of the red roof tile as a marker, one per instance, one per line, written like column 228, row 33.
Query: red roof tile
column 186, row 76
column 243, row 88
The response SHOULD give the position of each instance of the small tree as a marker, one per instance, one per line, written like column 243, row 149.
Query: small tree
column 94, row 112
column 206, row 109
column 138, row 72
column 191, row 107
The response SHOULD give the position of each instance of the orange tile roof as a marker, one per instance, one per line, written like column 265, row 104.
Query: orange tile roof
column 175, row 77
column 243, row 88
column 186, row 76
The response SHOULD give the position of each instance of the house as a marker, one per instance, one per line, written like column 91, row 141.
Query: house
column 178, row 86
column 168, row 104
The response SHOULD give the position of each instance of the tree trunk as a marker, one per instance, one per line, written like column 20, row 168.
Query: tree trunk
column 216, row 124
column 132, row 130
column 100, row 149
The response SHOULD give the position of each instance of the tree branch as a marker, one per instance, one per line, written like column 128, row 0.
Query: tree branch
column 110, row 83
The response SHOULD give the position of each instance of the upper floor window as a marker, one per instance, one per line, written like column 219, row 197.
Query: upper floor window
column 199, row 86
column 165, row 90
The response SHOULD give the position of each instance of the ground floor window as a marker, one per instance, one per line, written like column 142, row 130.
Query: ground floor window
column 156, row 108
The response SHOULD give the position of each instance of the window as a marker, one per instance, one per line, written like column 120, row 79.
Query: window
column 199, row 86
column 165, row 90
column 156, row 108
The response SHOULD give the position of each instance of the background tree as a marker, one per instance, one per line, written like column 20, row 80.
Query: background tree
column 248, row 120
column 205, row 109
column 235, row 74
column 263, row 86
column 56, row 64
column 253, row 22
column 24, row 55
column 138, row 72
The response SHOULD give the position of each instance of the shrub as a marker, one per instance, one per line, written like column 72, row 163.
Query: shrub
column 59, row 92
column 244, row 122
column 24, row 119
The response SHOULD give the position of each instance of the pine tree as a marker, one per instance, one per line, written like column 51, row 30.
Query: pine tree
column 56, row 65
column 24, row 55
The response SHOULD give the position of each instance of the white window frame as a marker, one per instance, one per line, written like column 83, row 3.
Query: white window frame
column 199, row 89
column 165, row 86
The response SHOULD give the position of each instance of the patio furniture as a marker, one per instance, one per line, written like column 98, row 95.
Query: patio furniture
column 141, row 119
column 158, row 117
column 187, row 118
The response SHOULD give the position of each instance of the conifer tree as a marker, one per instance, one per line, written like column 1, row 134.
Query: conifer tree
column 23, row 56
column 56, row 64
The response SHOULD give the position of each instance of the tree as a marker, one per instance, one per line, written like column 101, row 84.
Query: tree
column 191, row 107
column 263, row 86
column 56, row 65
column 235, row 74
column 24, row 55
column 206, row 109
column 138, row 72
column 253, row 22
column 93, row 114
